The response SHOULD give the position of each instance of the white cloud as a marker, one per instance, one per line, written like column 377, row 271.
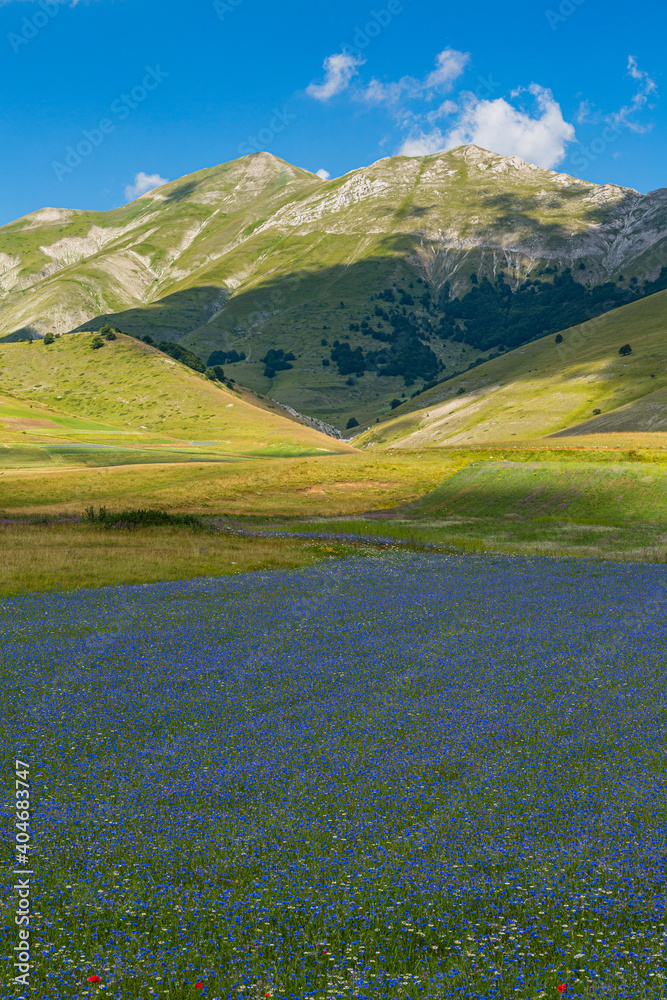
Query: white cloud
column 339, row 70
column 386, row 93
column 143, row 183
column 585, row 112
column 324, row 174
column 423, row 144
column 450, row 66
column 446, row 108
column 646, row 87
column 502, row 128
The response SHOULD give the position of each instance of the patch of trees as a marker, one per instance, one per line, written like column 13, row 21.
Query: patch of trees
column 492, row 314
column 217, row 374
column 277, row 361
column 225, row 358
column 178, row 353
column 404, row 354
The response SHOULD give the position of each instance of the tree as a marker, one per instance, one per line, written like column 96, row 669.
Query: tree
column 179, row 353
column 49, row 339
column 219, row 372
column 626, row 349
column 395, row 402
column 352, row 422
column 559, row 338
column 224, row 357
column 110, row 335
column 97, row 342
column 277, row 361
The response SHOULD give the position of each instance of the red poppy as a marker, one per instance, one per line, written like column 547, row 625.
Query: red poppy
column 199, row 986
column 94, row 979
column 561, row 988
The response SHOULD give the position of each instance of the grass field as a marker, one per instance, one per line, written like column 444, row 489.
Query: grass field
column 610, row 503
column 330, row 484
column 407, row 777
column 129, row 395
column 42, row 557
column 545, row 388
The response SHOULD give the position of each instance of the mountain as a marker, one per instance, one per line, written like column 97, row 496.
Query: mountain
column 579, row 387
column 72, row 400
column 392, row 276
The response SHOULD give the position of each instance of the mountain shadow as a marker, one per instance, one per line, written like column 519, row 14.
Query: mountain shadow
column 169, row 318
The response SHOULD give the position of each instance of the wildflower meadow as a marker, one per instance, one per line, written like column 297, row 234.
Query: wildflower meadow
column 405, row 775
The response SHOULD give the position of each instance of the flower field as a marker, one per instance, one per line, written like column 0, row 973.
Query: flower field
column 399, row 776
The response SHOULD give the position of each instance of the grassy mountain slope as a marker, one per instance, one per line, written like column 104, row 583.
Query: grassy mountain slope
column 549, row 389
column 256, row 255
column 131, row 396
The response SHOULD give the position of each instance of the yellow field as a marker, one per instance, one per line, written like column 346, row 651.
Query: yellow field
column 341, row 484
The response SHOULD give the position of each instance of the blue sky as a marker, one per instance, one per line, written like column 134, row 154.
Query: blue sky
column 103, row 98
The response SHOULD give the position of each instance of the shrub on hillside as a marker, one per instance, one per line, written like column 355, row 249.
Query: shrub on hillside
column 395, row 402
column 140, row 518
column 559, row 338
column 97, row 342
column 224, row 358
column 277, row 361
column 49, row 339
column 626, row 349
column 352, row 422
column 179, row 353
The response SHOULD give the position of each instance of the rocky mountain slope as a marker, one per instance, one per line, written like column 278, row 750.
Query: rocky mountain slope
column 255, row 256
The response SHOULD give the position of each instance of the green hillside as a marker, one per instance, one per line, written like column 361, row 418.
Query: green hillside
column 127, row 403
column 549, row 389
column 416, row 266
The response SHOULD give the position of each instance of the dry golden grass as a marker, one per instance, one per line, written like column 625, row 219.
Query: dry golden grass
column 336, row 484
column 70, row 556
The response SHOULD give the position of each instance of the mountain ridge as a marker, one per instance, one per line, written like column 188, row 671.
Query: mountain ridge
column 257, row 254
